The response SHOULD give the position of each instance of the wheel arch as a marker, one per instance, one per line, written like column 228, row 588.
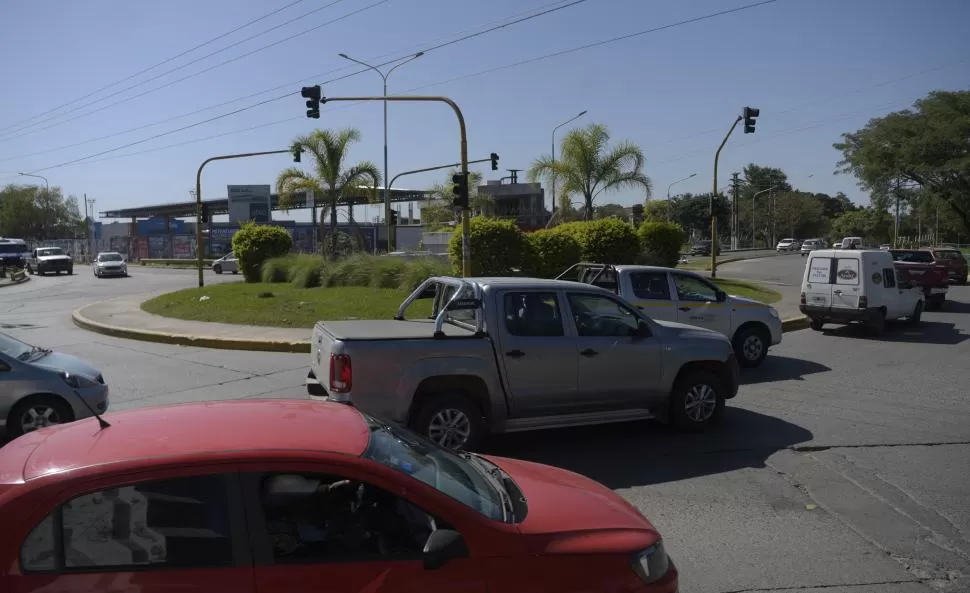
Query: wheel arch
column 470, row 386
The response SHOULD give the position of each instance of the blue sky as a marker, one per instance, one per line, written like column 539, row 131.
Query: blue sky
column 815, row 68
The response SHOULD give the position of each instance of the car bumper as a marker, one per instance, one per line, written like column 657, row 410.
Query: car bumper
column 112, row 271
column 733, row 377
column 96, row 397
column 54, row 266
column 837, row 314
column 775, row 328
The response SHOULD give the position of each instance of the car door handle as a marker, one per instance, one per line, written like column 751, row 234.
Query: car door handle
column 515, row 354
column 684, row 308
column 589, row 352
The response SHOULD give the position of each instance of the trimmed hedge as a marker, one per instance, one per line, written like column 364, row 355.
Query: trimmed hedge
column 604, row 241
column 498, row 247
column 551, row 252
column 254, row 244
column 661, row 243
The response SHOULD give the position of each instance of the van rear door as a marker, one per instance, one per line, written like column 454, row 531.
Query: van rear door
column 847, row 283
column 818, row 281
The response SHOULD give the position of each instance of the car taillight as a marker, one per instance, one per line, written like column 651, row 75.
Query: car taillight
column 801, row 299
column 341, row 373
column 863, row 302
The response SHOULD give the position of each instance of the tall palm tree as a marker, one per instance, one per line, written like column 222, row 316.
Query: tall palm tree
column 332, row 181
column 588, row 168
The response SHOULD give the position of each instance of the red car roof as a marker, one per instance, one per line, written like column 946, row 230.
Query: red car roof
column 241, row 426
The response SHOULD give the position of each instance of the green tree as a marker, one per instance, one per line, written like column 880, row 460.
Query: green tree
column 333, row 182
column 873, row 224
column 927, row 145
column 32, row 212
column 798, row 214
column 480, row 204
column 610, row 211
column 655, row 211
column 587, row 167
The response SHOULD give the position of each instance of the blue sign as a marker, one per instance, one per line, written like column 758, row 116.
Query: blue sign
column 156, row 226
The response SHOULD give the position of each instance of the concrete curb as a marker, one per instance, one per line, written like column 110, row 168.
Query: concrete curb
column 794, row 324
column 12, row 283
column 300, row 347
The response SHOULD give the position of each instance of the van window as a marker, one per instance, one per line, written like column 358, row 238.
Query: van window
column 820, row 270
column 889, row 277
column 847, row 271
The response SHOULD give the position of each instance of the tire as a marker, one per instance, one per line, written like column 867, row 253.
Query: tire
column 917, row 314
column 751, row 346
column 816, row 324
column 685, row 392
column 52, row 409
column 455, row 414
column 878, row 324
column 70, row 271
column 235, row 271
column 30, row 270
column 217, row 269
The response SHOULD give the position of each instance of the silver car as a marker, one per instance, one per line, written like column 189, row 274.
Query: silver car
column 39, row 387
column 110, row 263
column 226, row 263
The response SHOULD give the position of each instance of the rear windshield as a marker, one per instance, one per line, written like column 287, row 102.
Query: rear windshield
column 913, row 256
column 950, row 254
column 12, row 248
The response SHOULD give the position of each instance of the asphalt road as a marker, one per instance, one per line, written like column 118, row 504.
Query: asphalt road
column 843, row 465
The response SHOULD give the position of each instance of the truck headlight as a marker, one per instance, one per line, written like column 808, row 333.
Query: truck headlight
column 651, row 564
column 77, row 381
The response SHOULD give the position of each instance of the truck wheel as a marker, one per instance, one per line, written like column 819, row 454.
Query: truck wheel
column 30, row 270
column 452, row 421
column 751, row 346
column 697, row 402
column 816, row 324
column 917, row 314
column 877, row 325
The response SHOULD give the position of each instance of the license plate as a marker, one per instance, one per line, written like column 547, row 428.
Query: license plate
column 818, row 299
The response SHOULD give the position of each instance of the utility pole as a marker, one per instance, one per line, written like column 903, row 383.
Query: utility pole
column 735, row 193
column 896, row 223
column 89, row 202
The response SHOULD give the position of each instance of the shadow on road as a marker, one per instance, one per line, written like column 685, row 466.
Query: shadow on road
column 781, row 368
column 927, row 332
column 956, row 307
column 644, row 453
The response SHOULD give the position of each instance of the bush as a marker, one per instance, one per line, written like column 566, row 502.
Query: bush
column 498, row 247
column 254, row 244
column 355, row 270
column 276, row 269
column 551, row 252
column 419, row 270
column 306, row 271
column 661, row 243
column 604, row 241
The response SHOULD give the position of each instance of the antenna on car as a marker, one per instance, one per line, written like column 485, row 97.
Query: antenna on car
column 101, row 421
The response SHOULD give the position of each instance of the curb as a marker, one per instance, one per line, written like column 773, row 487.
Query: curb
column 301, row 347
column 15, row 283
column 794, row 324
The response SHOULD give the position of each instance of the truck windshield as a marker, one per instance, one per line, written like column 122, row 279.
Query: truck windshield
column 439, row 468
column 50, row 251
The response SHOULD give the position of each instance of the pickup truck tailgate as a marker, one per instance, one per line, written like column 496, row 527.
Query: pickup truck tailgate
column 321, row 346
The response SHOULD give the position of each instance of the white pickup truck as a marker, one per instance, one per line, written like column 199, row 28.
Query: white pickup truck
column 668, row 294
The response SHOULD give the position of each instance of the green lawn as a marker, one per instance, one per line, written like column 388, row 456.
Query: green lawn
column 748, row 290
column 241, row 303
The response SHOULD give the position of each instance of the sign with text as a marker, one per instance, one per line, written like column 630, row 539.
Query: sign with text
column 249, row 203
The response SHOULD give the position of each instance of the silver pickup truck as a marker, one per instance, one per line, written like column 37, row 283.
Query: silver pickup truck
column 513, row 354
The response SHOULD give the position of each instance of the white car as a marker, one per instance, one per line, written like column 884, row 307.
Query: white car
column 787, row 245
column 110, row 263
column 226, row 263
column 668, row 294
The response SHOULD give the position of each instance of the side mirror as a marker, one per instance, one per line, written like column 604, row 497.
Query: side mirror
column 721, row 296
column 443, row 546
column 642, row 331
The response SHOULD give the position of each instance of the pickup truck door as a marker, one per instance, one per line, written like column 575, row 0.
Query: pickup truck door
column 616, row 369
column 650, row 292
column 536, row 353
column 697, row 304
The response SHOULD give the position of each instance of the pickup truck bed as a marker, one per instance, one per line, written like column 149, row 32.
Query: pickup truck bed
column 388, row 329
column 918, row 268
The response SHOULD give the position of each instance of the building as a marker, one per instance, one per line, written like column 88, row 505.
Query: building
column 525, row 203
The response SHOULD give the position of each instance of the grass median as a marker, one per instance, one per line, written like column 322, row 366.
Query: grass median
column 749, row 290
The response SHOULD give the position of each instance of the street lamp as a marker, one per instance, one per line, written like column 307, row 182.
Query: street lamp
column 754, row 198
column 38, row 177
column 387, row 187
column 668, row 192
column 568, row 121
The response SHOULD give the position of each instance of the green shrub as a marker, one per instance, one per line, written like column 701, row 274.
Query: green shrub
column 604, row 241
column 276, row 269
column 254, row 244
column 355, row 270
column 498, row 247
column 388, row 271
column 306, row 270
column 661, row 243
column 419, row 270
column 552, row 252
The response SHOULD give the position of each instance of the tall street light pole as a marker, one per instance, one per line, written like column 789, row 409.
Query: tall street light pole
column 46, row 183
column 554, row 130
column 387, row 185
column 668, row 191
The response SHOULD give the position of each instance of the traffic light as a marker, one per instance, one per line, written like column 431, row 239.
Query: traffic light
column 297, row 153
column 312, row 95
column 749, row 114
column 204, row 214
column 461, row 190
column 494, row 158
column 394, row 217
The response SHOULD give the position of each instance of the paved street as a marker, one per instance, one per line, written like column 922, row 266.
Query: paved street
column 843, row 465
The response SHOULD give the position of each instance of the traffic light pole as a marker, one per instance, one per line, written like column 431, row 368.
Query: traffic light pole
column 438, row 168
column 466, row 250
column 198, row 199
column 714, row 244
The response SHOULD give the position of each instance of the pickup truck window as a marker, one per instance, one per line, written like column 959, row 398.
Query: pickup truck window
column 533, row 314
column 922, row 257
column 466, row 316
column 692, row 288
column 601, row 316
column 650, row 285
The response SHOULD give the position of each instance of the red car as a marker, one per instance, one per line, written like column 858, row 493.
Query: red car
column 297, row 496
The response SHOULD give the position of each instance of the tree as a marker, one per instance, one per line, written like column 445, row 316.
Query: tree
column 799, row 214
column 610, row 211
column 872, row 224
column 655, row 211
column 332, row 181
column 927, row 145
column 478, row 203
column 693, row 214
column 32, row 212
column 586, row 167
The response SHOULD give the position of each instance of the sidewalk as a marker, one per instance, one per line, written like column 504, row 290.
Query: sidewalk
column 123, row 318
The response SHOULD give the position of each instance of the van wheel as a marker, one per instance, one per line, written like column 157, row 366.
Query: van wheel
column 917, row 313
column 697, row 402
column 877, row 325
column 751, row 346
column 816, row 324
column 452, row 421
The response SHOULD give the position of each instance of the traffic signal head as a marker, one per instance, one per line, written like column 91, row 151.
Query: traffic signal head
column 460, row 190
column 494, row 158
column 204, row 214
column 297, row 153
column 394, row 217
column 312, row 95
column 749, row 114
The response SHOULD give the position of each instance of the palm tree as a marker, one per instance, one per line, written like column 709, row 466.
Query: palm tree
column 585, row 167
column 332, row 182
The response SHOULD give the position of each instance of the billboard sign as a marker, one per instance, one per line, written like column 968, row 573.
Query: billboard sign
column 249, row 203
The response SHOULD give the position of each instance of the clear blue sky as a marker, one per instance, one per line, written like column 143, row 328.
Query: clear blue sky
column 815, row 68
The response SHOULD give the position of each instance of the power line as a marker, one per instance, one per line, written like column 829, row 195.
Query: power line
column 152, row 67
column 27, row 131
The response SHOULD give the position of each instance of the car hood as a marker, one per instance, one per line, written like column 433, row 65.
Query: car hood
column 52, row 257
column 745, row 302
column 685, row 331
column 569, row 513
column 56, row 361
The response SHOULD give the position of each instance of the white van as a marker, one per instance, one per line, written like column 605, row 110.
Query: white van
column 852, row 243
column 852, row 285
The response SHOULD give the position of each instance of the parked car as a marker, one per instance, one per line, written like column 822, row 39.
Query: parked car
column 885, row 247
column 667, row 294
column 515, row 354
column 252, row 496
column 786, row 245
column 811, row 244
column 920, row 269
column 109, row 263
column 39, row 387
column 226, row 263
column 702, row 248
column 44, row 260
column 13, row 253
column 851, row 243
column 857, row 286
column 955, row 263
